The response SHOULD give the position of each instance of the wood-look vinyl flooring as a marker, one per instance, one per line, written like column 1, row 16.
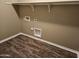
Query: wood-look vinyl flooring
column 25, row 47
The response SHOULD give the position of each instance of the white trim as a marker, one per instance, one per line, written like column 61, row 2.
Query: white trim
column 6, row 39
column 54, row 44
column 78, row 55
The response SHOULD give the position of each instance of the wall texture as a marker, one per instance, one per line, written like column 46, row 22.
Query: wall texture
column 9, row 21
column 61, row 26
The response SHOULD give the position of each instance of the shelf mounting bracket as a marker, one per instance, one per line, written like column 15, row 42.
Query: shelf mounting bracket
column 33, row 9
column 49, row 8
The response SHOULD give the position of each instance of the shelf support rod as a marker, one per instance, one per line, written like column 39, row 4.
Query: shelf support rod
column 33, row 9
column 49, row 8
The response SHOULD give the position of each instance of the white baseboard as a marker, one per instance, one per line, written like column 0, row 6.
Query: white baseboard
column 6, row 39
column 78, row 55
column 54, row 44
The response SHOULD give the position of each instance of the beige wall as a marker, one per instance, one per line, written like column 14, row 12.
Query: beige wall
column 61, row 26
column 9, row 22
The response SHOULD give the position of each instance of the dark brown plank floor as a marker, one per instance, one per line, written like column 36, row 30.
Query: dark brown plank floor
column 25, row 47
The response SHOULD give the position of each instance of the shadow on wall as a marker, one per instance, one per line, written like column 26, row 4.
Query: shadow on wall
column 67, row 15
column 60, row 26
column 16, row 8
column 63, row 15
